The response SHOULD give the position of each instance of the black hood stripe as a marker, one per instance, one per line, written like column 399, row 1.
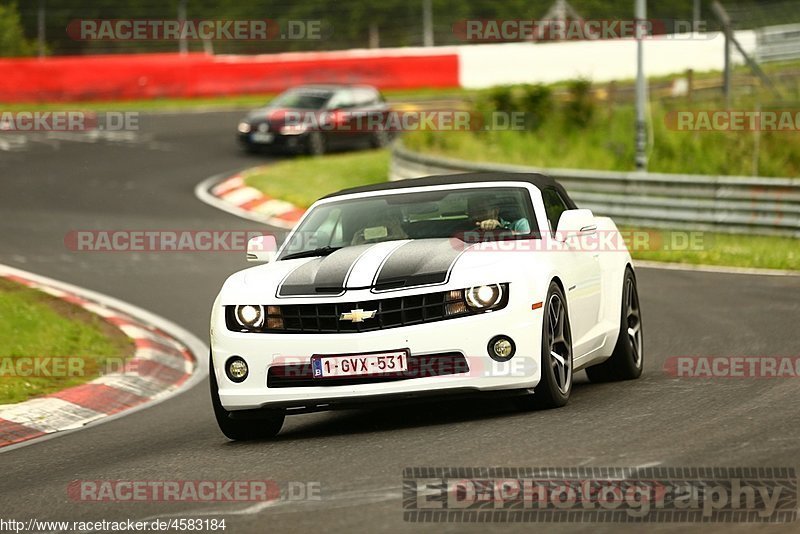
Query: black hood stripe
column 417, row 263
column 323, row 276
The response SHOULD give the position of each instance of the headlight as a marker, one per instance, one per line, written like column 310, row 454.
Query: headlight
column 250, row 316
column 476, row 299
column 244, row 127
column 293, row 129
column 253, row 318
column 483, row 297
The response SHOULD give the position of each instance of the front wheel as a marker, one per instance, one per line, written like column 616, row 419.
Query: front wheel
column 626, row 362
column 555, row 384
column 380, row 138
column 264, row 427
column 317, row 145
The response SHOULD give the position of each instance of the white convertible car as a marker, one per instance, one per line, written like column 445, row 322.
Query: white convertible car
column 446, row 285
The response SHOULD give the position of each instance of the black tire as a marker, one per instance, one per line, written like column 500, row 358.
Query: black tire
column 555, row 386
column 264, row 427
column 380, row 138
column 627, row 360
column 316, row 144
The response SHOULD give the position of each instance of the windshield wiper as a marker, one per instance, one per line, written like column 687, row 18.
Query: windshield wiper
column 321, row 251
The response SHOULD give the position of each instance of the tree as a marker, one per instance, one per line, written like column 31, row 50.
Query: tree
column 12, row 38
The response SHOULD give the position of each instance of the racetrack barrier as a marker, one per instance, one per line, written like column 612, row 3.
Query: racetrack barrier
column 731, row 204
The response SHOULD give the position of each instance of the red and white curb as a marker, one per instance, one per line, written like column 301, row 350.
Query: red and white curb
column 233, row 195
column 167, row 360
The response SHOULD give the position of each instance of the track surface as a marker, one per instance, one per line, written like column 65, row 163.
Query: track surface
column 52, row 186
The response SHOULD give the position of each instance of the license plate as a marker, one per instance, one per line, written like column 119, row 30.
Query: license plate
column 360, row 364
column 262, row 137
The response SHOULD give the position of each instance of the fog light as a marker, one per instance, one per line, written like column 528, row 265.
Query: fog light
column 236, row 369
column 501, row 348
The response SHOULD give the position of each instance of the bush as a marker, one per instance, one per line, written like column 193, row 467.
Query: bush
column 579, row 110
column 536, row 102
column 501, row 99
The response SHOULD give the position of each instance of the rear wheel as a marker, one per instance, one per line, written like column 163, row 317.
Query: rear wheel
column 264, row 427
column 627, row 360
column 555, row 384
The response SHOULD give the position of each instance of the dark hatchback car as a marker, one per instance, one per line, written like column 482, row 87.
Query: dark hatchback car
column 314, row 119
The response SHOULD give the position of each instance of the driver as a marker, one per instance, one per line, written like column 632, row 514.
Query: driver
column 485, row 212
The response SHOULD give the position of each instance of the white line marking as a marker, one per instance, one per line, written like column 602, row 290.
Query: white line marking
column 49, row 414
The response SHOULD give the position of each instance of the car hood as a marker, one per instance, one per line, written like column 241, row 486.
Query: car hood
column 384, row 266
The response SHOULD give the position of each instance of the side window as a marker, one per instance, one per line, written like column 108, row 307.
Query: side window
column 364, row 97
column 329, row 232
column 341, row 100
column 554, row 206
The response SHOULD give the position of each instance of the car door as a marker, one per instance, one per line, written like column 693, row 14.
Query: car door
column 582, row 283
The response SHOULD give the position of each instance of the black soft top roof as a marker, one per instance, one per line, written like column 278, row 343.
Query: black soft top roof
column 541, row 181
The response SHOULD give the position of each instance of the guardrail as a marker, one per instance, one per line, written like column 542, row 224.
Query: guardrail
column 778, row 43
column 733, row 204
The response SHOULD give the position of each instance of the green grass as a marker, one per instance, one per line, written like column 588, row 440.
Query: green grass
column 607, row 143
column 303, row 180
column 157, row 104
column 188, row 104
column 709, row 248
column 34, row 324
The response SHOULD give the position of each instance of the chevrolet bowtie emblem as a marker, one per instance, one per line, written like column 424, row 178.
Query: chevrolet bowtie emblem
column 357, row 316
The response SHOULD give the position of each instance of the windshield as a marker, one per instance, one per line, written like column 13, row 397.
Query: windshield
column 301, row 99
column 474, row 214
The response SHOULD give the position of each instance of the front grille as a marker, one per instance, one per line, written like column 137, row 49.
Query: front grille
column 326, row 318
column 389, row 313
column 301, row 375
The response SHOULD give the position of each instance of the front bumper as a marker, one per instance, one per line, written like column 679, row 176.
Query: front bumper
column 467, row 335
column 292, row 144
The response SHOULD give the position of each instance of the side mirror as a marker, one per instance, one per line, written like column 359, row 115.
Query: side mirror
column 262, row 248
column 575, row 223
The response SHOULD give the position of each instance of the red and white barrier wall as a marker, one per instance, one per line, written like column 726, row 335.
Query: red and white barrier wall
column 143, row 76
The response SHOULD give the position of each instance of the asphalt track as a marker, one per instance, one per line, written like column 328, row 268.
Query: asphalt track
column 51, row 186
